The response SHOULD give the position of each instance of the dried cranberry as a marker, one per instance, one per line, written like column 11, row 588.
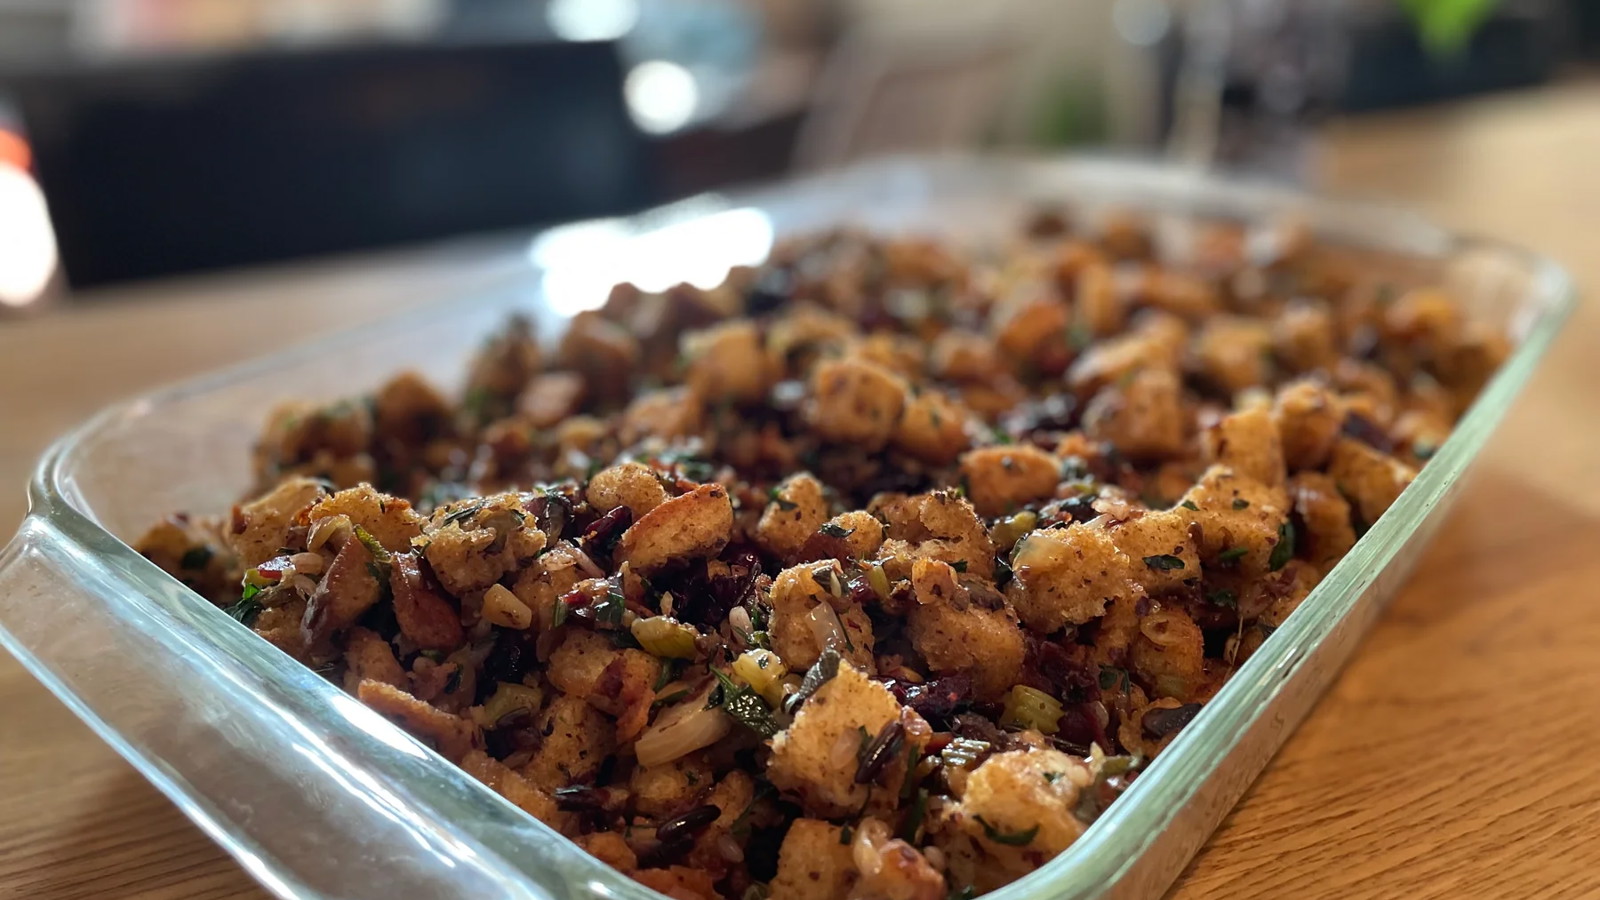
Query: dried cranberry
column 1158, row 723
column 512, row 657
column 939, row 698
column 1367, row 432
column 705, row 600
column 604, row 532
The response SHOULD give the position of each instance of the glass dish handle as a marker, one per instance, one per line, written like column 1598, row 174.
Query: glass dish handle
column 309, row 821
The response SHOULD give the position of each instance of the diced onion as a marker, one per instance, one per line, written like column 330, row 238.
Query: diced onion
column 826, row 627
column 326, row 529
column 501, row 607
column 665, row 637
column 1157, row 627
column 763, row 670
column 307, row 563
column 508, row 698
column 682, row 734
column 1028, row 707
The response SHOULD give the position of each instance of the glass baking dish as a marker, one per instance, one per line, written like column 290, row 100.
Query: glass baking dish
column 319, row 797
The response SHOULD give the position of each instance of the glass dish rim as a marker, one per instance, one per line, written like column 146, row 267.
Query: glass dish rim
column 1115, row 842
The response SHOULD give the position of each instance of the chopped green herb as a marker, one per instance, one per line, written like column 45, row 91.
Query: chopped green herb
column 1284, row 550
column 1052, row 777
column 1232, row 554
column 745, row 705
column 248, row 607
column 373, row 546
column 1009, row 838
column 196, row 558
column 826, row 668
column 558, row 615
column 1189, row 504
column 462, row 514
column 846, row 835
column 1079, row 337
column 836, row 531
column 1164, row 562
column 669, row 670
column 671, row 698
column 913, row 823
column 1240, row 503
column 1424, row 452
column 959, row 565
column 785, row 505
column 453, row 683
column 1114, row 679
column 999, row 436
column 1223, row 597
column 609, row 611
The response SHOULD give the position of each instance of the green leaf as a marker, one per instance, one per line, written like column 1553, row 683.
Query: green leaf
column 1284, row 550
column 836, row 531
column 745, row 706
column 1189, row 504
column 246, row 610
column 1233, row 554
column 1445, row 27
column 1164, row 562
column 1009, row 838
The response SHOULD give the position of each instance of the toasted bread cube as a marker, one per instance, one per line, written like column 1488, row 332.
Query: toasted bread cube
column 577, row 740
column 855, row 402
column 1309, row 417
column 693, row 526
column 1066, row 576
column 955, row 635
column 1328, row 534
column 797, row 510
column 1305, row 337
column 1371, row 479
column 1169, row 654
column 815, row 759
column 939, row 525
column 672, row 787
column 453, row 736
column 933, row 428
column 729, row 363
column 1030, row 329
column 390, row 520
column 669, row 414
column 1240, row 520
column 1161, row 550
column 1143, row 418
column 864, row 533
column 1032, row 794
column 1234, row 353
column 1248, row 443
column 1002, row 478
column 814, row 863
column 261, row 526
column 631, row 484
column 798, row 593
column 512, row 786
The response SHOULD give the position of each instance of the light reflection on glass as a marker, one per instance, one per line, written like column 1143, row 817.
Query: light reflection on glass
column 662, row 96
column 582, row 262
column 592, row 20
column 27, row 244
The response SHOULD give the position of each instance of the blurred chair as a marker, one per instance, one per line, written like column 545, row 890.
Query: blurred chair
column 898, row 86
column 159, row 166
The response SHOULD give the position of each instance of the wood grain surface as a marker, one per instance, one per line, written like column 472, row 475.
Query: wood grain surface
column 1455, row 757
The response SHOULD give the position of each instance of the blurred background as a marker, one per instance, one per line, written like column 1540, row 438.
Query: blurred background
column 144, row 139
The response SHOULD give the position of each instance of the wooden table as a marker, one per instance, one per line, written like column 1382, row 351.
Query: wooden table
column 1455, row 757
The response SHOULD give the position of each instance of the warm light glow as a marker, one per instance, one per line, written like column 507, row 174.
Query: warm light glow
column 582, row 262
column 662, row 96
column 27, row 245
column 592, row 20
